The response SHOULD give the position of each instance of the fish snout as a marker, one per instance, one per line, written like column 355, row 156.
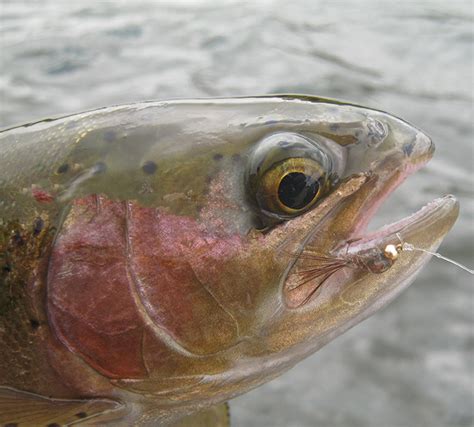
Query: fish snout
column 420, row 150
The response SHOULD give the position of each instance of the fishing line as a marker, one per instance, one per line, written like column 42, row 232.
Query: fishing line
column 405, row 246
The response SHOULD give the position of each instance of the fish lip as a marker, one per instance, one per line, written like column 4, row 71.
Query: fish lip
column 396, row 232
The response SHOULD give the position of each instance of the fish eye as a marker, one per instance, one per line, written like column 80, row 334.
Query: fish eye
column 287, row 174
column 290, row 186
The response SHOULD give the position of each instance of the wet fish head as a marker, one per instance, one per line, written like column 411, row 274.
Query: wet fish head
column 221, row 244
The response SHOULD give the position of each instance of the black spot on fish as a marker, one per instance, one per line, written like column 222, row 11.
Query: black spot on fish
column 34, row 324
column 149, row 167
column 7, row 268
column 99, row 168
column 110, row 136
column 38, row 225
column 81, row 415
column 217, row 157
column 53, row 425
column 63, row 168
column 10, row 425
column 333, row 127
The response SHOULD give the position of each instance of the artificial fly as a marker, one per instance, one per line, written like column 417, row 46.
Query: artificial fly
column 374, row 260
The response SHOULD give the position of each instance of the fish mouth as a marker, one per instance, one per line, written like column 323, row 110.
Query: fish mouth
column 423, row 229
column 406, row 229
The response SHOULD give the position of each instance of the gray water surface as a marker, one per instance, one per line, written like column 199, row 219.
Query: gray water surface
column 410, row 365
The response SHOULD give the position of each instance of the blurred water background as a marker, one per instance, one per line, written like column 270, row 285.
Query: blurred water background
column 412, row 364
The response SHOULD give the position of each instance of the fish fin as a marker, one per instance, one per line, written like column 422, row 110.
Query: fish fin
column 20, row 408
column 215, row 416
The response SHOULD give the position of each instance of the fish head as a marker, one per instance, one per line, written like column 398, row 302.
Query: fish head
column 233, row 240
column 335, row 272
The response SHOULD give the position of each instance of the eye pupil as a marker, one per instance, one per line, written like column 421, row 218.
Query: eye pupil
column 297, row 190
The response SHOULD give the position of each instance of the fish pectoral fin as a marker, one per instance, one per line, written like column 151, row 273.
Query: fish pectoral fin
column 20, row 408
column 215, row 416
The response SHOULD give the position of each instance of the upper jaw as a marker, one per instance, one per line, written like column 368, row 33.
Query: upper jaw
column 390, row 172
column 422, row 225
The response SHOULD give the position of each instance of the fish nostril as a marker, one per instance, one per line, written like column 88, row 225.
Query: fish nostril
column 408, row 148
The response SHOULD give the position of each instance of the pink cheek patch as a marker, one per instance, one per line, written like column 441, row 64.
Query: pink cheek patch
column 119, row 272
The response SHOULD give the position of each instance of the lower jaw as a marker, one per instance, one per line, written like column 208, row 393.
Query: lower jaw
column 362, row 293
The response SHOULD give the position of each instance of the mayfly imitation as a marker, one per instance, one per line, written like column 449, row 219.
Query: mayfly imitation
column 321, row 267
column 374, row 260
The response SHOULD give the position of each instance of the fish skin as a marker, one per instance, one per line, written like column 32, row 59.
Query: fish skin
column 150, row 281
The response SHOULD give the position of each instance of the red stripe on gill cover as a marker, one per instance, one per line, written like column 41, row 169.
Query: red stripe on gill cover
column 115, row 267
column 90, row 306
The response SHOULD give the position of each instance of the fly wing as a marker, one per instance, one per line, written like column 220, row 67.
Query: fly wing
column 20, row 408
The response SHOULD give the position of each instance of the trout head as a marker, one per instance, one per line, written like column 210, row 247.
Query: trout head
column 205, row 258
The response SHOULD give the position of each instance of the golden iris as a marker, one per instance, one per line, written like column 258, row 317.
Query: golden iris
column 291, row 186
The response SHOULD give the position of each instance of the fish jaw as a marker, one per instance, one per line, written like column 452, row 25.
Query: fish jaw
column 424, row 229
column 352, row 294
